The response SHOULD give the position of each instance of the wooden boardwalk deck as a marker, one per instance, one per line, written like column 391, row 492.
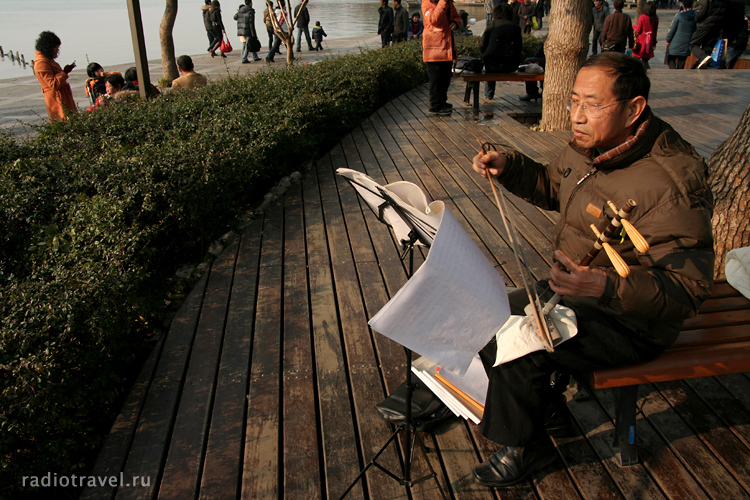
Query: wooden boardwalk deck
column 266, row 384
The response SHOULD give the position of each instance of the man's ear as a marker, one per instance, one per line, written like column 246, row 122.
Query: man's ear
column 635, row 108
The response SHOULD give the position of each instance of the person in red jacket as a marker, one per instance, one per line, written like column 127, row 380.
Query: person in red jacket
column 441, row 19
column 645, row 31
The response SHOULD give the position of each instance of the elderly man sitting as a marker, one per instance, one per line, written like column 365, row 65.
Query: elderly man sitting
column 620, row 150
column 189, row 79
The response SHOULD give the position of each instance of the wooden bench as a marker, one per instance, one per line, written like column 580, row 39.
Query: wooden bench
column 715, row 342
column 472, row 82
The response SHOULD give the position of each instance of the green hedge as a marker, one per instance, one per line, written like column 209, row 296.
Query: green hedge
column 97, row 213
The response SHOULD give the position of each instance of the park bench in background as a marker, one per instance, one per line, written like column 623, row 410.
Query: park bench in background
column 715, row 342
column 472, row 82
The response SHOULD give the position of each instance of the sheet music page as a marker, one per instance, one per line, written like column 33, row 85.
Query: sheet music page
column 453, row 304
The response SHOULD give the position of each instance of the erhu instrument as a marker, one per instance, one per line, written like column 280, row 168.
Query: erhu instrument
column 617, row 224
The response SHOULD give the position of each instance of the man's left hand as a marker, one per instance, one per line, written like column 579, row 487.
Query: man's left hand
column 568, row 278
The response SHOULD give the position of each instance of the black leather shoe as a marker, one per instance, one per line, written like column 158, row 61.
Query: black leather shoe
column 528, row 97
column 513, row 464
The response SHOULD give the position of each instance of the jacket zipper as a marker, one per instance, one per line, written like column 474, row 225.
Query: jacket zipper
column 564, row 214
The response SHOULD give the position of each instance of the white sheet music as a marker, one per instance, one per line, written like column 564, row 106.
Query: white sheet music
column 453, row 304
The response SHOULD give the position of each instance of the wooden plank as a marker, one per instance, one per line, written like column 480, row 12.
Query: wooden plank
column 111, row 458
column 362, row 364
column 187, row 442
column 632, row 482
column 697, row 459
column 148, row 450
column 222, row 467
column 302, row 461
column 337, row 428
column 735, row 455
column 261, row 465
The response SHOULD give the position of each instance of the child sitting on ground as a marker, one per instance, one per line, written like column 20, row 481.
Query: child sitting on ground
column 318, row 35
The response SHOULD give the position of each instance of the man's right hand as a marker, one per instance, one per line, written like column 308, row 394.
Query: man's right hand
column 490, row 164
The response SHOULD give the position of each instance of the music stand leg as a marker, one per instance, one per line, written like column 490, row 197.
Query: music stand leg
column 408, row 425
column 410, row 436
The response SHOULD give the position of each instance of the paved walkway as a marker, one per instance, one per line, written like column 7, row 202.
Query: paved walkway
column 22, row 102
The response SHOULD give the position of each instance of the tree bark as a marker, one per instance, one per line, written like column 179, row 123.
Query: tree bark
column 729, row 176
column 168, row 63
column 566, row 49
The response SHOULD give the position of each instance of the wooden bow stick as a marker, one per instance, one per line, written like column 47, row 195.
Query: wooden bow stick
column 542, row 325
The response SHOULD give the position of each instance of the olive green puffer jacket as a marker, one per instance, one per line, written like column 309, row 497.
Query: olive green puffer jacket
column 669, row 181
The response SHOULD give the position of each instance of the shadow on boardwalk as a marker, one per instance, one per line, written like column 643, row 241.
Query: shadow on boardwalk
column 266, row 383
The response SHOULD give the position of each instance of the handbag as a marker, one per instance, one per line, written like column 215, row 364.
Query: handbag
column 253, row 44
column 467, row 63
column 225, row 46
column 426, row 409
column 534, row 23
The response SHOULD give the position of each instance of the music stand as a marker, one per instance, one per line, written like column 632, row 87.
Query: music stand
column 419, row 233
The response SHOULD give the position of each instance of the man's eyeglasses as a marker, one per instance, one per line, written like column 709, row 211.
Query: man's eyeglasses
column 590, row 110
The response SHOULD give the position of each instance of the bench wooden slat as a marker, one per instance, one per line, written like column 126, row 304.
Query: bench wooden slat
column 710, row 336
column 503, row 77
column 678, row 364
column 718, row 319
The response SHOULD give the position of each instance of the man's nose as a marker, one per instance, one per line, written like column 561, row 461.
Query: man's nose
column 577, row 115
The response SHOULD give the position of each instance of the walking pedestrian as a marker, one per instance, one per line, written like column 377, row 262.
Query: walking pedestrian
column 245, row 18
column 303, row 22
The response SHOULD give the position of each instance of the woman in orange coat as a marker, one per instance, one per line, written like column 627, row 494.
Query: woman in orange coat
column 439, row 50
column 58, row 97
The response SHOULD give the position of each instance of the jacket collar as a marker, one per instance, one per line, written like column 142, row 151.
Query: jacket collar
column 633, row 148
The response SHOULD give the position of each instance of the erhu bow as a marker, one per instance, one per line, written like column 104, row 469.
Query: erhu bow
column 545, row 326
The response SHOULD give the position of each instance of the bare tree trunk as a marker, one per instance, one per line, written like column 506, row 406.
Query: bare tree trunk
column 168, row 64
column 286, row 37
column 729, row 176
column 565, row 50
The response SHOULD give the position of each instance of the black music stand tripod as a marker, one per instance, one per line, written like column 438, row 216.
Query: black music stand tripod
column 408, row 427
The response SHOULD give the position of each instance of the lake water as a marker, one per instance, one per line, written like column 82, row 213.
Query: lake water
column 99, row 30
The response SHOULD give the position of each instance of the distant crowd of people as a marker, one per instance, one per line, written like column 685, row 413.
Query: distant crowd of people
column 692, row 31
column 102, row 88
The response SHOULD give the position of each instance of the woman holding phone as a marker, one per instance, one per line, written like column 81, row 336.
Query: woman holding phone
column 58, row 97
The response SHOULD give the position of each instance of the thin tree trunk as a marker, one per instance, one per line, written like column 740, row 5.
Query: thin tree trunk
column 565, row 50
column 168, row 63
column 729, row 176
column 287, row 38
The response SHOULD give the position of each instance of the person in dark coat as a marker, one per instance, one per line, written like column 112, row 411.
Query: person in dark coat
column 385, row 23
column 206, row 8
column 680, row 33
column 245, row 18
column 715, row 19
column 525, row 13
column 416, row 27
column 400, row 22
column 217, row 28
column 739, row 45
column 601, row 11
column 501, row 46
column 539, row 12
column 303, row 26
column 318, row 33
column 617, row 33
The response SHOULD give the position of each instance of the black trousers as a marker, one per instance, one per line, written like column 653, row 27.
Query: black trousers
column 439, row 75
column 520, row 392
